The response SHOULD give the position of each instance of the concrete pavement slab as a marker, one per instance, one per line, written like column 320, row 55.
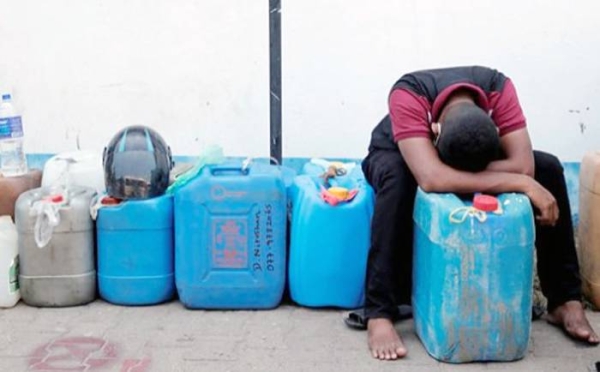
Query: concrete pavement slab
column 170, row 338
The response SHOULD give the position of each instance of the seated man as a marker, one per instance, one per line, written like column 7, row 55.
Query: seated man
column 461, row 130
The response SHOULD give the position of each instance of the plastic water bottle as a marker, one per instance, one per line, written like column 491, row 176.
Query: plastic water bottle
column 12, row 157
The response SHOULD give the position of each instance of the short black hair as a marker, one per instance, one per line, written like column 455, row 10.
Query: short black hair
column 469, row 138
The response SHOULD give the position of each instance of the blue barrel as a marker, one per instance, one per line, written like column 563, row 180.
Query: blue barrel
column 230, row 229
column 135, row 252
column 473, row 277
column 329, row 244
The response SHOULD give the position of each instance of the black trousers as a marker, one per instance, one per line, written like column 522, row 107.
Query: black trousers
column 389, row 268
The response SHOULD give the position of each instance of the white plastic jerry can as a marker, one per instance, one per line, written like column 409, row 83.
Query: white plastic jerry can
column 9, row 263
column 76, row 168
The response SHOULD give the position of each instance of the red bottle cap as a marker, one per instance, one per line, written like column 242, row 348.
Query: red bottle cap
column 109, row 200
column 486, row 203
column 54, row 198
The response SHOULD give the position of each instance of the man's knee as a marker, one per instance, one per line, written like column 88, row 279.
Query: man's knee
column 386, row 169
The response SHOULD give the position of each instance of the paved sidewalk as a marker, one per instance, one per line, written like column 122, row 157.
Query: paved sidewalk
column 170, row 338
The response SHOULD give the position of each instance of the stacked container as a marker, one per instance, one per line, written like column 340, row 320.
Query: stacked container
column 329, row 244
column 589, row 226
column 230, row 238
column 81, row 168
column 472, row 277
column 135, row 251
column 61, row 272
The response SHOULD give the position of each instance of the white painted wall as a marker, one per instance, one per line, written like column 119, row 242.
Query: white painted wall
column 198, row 72
column 341, row 58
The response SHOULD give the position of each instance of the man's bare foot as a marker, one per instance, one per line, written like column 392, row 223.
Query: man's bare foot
column 384, row 342
column 571, row 317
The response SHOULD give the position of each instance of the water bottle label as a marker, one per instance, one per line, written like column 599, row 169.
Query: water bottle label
column 13, row 275
column 11, row 127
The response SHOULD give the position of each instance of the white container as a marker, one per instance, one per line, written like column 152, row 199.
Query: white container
column 12, row 157
column 76, row 168
column 9, row 263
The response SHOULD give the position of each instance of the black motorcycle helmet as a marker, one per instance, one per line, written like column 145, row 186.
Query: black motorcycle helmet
column 137, row 162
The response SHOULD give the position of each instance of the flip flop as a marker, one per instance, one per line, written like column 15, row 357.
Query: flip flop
column 357, row 320
column 537, row 311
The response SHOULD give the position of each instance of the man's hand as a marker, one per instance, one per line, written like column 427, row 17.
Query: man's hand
column 545, row 202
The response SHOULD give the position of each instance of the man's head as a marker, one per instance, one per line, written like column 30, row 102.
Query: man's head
column 469, row 138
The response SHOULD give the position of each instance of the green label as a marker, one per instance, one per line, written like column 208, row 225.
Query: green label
column 13, row 275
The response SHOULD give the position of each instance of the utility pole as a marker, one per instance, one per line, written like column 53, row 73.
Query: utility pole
column 275, row 79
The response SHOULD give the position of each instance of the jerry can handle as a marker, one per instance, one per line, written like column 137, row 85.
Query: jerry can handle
column 229, row 171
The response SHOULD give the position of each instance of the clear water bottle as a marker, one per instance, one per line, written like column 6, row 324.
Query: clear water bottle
column 12, row 157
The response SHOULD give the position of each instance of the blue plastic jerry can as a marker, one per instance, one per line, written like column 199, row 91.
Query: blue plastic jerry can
column 136, row 251
column 472, row 276
column 230, row 238
column 329, row 243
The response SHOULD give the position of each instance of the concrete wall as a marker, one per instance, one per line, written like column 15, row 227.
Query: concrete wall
column 341, row 58
column 198, row 71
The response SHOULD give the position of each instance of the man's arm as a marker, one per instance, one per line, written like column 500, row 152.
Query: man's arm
column 518, row 154
column 432, row 175
column 514, row 137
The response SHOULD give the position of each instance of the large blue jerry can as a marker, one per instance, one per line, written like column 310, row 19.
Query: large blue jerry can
column 135, row 251
column 329, row 244
column 472, row 277
column 230, row 229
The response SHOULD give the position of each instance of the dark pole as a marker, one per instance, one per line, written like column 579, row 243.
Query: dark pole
column 275, row 78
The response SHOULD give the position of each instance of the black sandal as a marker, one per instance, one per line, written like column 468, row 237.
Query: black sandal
column 356, row 319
